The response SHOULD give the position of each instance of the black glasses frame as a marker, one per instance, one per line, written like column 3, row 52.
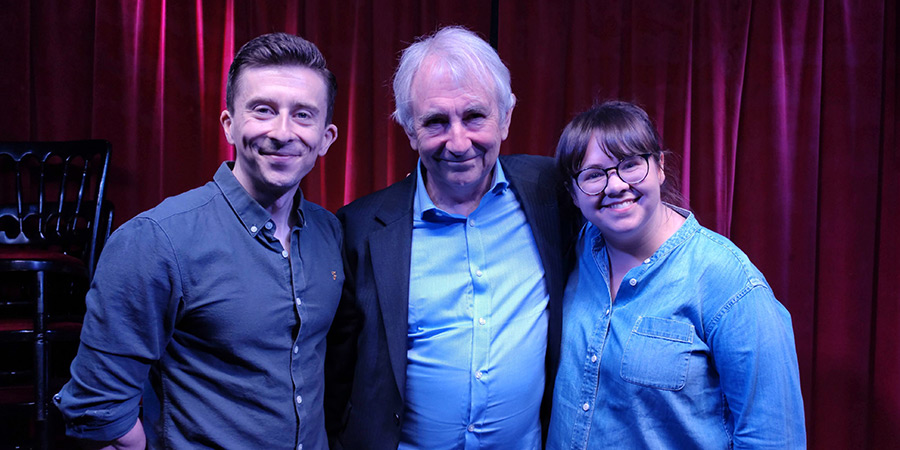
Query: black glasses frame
column 646, row 157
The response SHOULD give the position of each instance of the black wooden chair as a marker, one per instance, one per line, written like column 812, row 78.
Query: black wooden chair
column 53, row 224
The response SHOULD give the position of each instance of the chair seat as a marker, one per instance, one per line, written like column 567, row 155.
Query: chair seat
column 22, row 395
column 22, row 330
column 25, row 325
column 18, row 259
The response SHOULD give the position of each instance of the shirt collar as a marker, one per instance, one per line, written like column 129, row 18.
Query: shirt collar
column 251, row 214
column 425, row 209
column 687, row 229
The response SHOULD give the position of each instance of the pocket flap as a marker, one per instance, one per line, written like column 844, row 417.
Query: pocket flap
column 664, row 329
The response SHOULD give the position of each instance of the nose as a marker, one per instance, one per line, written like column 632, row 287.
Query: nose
column 614, row 183
column 281, row 129
column 458, row 140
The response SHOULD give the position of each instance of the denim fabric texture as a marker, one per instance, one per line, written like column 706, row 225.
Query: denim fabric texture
column 695, row 352
column 199, row 298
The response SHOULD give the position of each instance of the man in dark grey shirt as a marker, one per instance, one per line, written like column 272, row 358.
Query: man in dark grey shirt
column 218, row 300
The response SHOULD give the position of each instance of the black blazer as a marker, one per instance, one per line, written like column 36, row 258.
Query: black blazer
column 365, row 370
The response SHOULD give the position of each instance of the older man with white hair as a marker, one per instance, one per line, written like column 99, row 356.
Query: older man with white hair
column 448, row 331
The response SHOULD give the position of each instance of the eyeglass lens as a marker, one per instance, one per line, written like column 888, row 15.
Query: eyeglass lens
column 632, row 169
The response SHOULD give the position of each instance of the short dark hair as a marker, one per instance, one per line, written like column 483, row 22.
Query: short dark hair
column 280, row 49
column 624, row 130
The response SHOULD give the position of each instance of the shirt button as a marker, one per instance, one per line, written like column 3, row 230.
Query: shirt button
column 593, row 358
column 253, row 229
column 478, row 375
column 285, row 254
column 585, row 406
column 471, row 428
column 607, row 311
column 269, row 225
column 632, row 281
column 297, row 301
column 478, row 273
column 647, row 261
column 300, row 399
column 300, row 447
column 481, row 321
column 296, row 349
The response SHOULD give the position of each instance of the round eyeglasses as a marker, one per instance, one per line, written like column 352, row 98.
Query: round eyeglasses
column 632, row 170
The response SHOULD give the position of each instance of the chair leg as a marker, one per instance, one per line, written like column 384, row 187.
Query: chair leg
column 41, row 371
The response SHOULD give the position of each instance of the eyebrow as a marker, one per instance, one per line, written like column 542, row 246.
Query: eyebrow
column 294, row 106
column 432, row 115
column 428, row 117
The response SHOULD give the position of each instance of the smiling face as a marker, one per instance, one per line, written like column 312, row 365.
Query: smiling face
column 278, row 128
column 623, row 213
column 457, row 131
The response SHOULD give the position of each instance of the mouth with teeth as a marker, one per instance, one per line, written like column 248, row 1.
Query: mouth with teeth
column 620, row 205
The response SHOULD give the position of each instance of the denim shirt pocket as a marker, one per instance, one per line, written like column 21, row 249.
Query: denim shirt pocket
column 657, row 353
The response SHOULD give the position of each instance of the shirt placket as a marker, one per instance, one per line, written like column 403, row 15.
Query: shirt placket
column 293, row 270
column 481, row 337
column 298, row 287
column 591, row 374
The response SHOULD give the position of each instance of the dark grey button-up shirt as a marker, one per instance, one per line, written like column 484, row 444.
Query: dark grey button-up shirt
column 197, row 300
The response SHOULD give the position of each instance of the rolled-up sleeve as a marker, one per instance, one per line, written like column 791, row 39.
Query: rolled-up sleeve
column 132, row 308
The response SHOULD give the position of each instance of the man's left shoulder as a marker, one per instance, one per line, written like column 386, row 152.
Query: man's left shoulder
column 319, row 216
column 524, row 161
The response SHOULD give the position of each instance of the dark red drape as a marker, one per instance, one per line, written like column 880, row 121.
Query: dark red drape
column 783, row 115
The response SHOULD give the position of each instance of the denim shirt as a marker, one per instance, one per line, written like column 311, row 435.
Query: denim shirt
column 199, row 297
column 695, row 352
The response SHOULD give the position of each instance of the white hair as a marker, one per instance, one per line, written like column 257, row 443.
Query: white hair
column 465, row 56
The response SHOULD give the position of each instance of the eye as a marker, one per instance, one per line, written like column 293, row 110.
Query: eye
column 627, row 164
column 631, row 163
column 593, row 174
column 304, row 115
column 434, row 122
column 263, row 110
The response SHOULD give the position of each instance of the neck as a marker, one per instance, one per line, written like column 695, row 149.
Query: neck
column 461, row 200
column 645, row 242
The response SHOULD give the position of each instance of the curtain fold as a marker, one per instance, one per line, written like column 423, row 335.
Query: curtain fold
column 781, row 117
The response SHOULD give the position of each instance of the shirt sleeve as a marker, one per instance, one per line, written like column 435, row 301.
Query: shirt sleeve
column 752, row 341
column 132, row 308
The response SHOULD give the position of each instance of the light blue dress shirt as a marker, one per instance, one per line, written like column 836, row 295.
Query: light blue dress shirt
column 695, row 352
column 477, row 326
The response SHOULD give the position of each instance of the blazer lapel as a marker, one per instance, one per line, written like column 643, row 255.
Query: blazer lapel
column 391, row 248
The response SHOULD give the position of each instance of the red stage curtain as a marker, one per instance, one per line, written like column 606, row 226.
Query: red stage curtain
column 783, row 115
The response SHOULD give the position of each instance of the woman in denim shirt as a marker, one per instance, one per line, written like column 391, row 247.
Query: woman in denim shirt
column 671, row 336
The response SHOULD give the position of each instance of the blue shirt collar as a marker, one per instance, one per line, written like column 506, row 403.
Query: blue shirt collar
column 425, row 209
column 687, row 229
column 251, row 214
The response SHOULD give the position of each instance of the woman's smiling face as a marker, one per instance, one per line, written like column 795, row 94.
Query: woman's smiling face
column 621, row 211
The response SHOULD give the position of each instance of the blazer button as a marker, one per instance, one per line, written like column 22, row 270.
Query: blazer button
column 397, row 419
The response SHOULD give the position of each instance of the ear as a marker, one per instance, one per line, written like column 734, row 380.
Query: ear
column 226, row 120
column 504, row 127
column 328, row 138
column 571, row 190
column 661, row 172
column 413, row 140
